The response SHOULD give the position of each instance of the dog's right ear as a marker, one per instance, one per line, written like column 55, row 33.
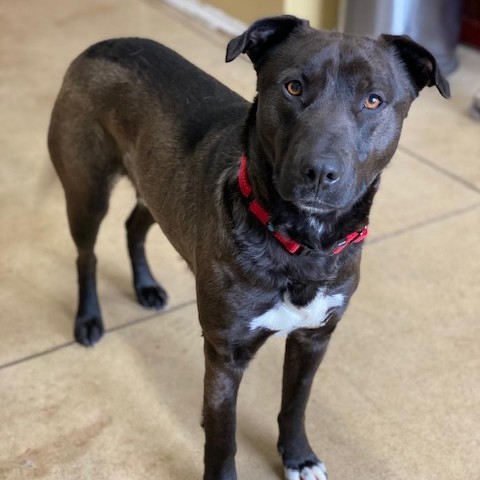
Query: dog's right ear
column 262, row 35
column 419, row 62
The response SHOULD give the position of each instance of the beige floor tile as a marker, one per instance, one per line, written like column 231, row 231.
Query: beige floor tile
column 412, row 194
column 126, row 410
column 38, row 274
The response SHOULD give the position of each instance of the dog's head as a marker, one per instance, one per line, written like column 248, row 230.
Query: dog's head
column 330, row 106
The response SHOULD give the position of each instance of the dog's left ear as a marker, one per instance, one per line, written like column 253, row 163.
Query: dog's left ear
column 262, row 35
column 420, row 63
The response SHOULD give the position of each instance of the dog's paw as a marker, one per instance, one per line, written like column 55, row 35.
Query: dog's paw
column 88, row 331
column 151, row 296
column 309, row 471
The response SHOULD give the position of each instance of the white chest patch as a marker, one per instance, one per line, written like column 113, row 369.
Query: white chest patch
column 286, row 317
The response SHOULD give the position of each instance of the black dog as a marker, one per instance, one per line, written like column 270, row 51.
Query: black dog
column 267, row 203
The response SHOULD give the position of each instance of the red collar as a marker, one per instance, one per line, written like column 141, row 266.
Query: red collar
column 290, row 245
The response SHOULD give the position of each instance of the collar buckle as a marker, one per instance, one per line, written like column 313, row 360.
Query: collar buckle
column 354, row 237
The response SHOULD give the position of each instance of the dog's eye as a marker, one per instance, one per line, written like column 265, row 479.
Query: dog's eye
column 373, row 101
column 294, row 88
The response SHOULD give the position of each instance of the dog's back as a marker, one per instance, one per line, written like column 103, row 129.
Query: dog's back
column 130, row 106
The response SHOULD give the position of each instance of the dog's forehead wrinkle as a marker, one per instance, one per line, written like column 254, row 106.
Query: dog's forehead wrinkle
column 308, row 51
column 342, row 80
column 326, row 60
column 364, row 67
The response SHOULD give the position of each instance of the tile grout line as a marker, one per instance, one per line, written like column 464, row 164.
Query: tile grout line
column 109, row 330
column 439, row 169
column 426, row 223
column 36, row 355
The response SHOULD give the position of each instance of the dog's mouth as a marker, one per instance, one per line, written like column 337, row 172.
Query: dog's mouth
column 332, row 204
column 317, row 207
column 309, row 198
column 314, row 204
column 340, row 198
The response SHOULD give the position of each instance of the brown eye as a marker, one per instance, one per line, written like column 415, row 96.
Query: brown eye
column 294, row 88
column 373, row 101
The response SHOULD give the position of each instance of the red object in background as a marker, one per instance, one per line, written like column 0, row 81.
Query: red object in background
column 470, row 33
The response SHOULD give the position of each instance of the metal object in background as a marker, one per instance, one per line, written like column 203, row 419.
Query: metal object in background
column 435, row 24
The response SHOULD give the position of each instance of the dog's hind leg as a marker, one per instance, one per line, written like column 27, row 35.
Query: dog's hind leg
column 149, row 293
column 303, row 354
column 87, row 205
column 87, row 163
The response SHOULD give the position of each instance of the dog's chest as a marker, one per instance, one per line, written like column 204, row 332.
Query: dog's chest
column 286, row 317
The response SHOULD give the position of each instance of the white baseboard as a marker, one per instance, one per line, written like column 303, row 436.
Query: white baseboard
column 212, row 16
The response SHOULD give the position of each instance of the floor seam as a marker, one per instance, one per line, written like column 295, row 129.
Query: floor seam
column 439, row 169
column 125, row 325
column 423, row 224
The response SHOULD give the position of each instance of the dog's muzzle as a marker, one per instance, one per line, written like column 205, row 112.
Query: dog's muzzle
column 317, row 185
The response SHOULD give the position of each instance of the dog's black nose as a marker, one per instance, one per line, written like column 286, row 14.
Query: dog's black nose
column 322, row 172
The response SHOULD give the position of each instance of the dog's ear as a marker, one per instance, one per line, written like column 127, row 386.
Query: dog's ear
column 262, row 35
column 420, row 63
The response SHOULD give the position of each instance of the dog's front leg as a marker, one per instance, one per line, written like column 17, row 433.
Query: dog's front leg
column 222, row 379
column 229, row 345
column 225, row 362
column 304, row 352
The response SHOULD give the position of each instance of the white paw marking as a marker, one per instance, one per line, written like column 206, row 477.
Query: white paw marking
column 315, row 472
column 286, row 317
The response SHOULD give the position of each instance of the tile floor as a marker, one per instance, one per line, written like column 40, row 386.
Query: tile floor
column 398, row 396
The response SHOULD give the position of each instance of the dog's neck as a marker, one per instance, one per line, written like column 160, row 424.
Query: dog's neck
column 318, row 231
